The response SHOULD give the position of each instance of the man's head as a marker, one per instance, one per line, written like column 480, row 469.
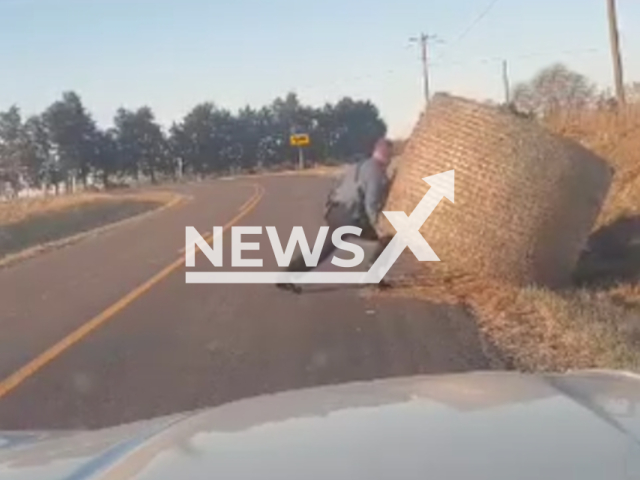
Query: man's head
column 383, row 151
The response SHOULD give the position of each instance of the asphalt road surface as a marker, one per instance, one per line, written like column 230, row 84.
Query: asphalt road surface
column 106, row 331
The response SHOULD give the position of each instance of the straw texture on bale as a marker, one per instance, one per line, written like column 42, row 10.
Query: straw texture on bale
column 525, row 199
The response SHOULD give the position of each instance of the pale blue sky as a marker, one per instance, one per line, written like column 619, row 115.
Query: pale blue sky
column 172, row 54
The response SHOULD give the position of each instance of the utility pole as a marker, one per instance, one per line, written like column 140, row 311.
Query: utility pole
column 505, row 79
column 615, row 51
column 423, row 40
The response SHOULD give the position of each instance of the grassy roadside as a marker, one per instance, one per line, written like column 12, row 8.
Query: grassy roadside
column 595, row 323
column 535, row 329
column 25, row 224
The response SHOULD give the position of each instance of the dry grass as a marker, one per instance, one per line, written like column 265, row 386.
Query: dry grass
column 544, row 330
column 38, row 224
column 536, row 329
column 616, row 137
column 18, row 210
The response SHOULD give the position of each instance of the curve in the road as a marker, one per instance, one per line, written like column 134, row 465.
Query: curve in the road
column 19, row 376
column 10, row 259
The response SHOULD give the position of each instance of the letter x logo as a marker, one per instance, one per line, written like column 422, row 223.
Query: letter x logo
column 408, row 227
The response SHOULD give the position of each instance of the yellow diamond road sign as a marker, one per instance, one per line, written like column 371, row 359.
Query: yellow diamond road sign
column 300, row 140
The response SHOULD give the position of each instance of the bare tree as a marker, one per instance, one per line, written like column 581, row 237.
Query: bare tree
column 554, row 89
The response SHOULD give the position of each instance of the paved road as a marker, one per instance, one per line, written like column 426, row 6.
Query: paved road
column 137, row 348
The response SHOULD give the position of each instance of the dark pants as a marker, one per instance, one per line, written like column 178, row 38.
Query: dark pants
column 336, row 217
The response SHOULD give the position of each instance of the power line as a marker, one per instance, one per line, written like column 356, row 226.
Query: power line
column 485, row 60
column 475, row 22
column 470, row 27
column 437, row 65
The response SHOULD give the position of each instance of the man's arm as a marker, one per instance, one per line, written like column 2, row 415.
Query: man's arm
column 375, row 194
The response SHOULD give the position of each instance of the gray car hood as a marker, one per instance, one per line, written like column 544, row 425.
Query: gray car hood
column 493, row 426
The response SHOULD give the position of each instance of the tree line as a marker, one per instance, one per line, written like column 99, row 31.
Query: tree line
column 64, row 143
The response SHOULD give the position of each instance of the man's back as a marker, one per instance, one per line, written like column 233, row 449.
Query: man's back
column 362, row 191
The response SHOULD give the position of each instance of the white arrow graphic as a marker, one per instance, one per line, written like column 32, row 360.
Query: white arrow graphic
column 408, row 228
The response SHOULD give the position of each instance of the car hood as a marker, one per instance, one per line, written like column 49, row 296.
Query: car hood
column 481, row 425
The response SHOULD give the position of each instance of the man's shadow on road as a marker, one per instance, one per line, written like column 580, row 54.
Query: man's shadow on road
column 316, row 289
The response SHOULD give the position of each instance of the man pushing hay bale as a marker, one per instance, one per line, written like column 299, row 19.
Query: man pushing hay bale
column 525, row 199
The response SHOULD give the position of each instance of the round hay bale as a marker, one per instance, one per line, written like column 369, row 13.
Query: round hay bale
column 525, row 199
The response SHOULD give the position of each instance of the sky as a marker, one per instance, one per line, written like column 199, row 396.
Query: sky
column 174, row 54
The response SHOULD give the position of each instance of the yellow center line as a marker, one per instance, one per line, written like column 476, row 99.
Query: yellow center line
column 19, row 376
column 249, row 204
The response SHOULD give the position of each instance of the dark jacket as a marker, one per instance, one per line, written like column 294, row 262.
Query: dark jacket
column 362, row 192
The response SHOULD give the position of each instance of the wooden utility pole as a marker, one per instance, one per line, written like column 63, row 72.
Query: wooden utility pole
column 423, row 40
column 505, row 80
column 615, row 51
